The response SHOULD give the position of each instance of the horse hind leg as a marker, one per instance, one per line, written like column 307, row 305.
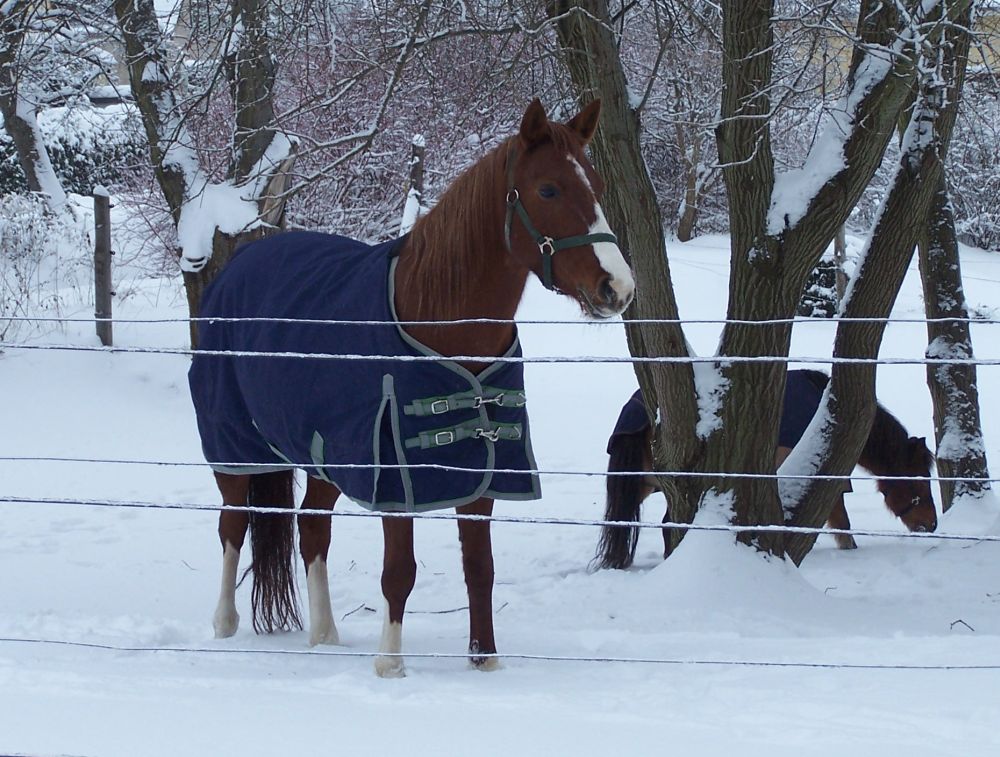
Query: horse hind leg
column 477, row 562
column 838, row 519
column 232, row 532
column 314, row 546
column 399, row 573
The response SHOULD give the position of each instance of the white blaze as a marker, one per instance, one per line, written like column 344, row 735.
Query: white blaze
column 608, row 254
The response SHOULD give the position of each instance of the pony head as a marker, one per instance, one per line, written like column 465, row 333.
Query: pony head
column 555, row 225
column 912, row 501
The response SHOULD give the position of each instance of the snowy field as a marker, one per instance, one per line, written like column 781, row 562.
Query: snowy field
column 892, row 649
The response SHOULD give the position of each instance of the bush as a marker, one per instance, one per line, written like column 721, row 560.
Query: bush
column 40, row 263
column 87, row 146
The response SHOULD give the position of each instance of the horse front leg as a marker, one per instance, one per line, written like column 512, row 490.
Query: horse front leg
column 314, row 546
column 477, row 562
column 233, row 526
column 838, row 519
column 399, row 573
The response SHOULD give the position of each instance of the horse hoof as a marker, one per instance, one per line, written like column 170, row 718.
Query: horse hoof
column 845, row 541
column 485, row 664
column 389, row 667
column 329, row 636
column 225, row 624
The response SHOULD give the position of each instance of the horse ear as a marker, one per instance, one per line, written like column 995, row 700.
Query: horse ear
column 534, row 124
column 584, row 123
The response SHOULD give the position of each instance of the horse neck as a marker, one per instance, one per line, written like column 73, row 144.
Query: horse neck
column 885, row 444
column 454, row 265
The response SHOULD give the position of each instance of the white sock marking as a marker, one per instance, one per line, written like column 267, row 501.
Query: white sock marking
column 322, row 629
column 226, row 620
column 387, row 666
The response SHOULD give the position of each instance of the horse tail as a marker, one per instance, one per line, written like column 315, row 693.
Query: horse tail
column 273, row 599
column 629, row 454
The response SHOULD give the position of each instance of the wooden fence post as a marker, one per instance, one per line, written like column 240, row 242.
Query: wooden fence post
column 102, row 265
column 415, row 194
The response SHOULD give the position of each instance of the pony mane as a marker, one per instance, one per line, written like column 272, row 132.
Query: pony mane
column 887, row 448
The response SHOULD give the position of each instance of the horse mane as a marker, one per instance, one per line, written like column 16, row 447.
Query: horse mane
column 454, row 243
column 450, row 244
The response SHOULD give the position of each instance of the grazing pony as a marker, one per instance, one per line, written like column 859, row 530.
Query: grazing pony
column 889, row 451
column 410, row 434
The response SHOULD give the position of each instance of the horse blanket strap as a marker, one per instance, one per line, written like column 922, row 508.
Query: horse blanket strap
column 466, row 400
column 493, row 432
column 547, row 246
column 371, row 426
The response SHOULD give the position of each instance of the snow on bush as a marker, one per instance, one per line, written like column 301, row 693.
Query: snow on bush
column 87, row 146
column 43, row 260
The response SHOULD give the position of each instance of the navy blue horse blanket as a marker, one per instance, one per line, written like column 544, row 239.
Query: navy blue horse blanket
column 384, row 431
column 803, row 392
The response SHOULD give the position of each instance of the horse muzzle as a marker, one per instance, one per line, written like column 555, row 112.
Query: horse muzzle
column 612, row 297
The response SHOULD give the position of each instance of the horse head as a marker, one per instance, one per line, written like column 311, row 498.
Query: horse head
column 911, row 501
column 555, row 225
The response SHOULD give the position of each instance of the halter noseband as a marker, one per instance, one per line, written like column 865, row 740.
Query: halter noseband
column 547, row 246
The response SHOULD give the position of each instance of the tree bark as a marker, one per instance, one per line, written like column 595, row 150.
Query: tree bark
column 251, row 78
column 849, row 404
column 961, row 450
column 732, row 426
column 592, row 58
column 19, row 115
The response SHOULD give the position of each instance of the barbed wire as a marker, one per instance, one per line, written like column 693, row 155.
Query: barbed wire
column 520, row 471
column 598, row 359
column 351, row 653
column 506, row 519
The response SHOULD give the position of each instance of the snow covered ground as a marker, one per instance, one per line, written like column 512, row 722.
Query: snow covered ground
column 893, row 649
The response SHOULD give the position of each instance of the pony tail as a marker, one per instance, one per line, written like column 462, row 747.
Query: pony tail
column 272, row 537
column 616, row 548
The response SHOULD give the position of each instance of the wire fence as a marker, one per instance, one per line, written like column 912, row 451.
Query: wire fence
column 11, row 499
column 589, row 359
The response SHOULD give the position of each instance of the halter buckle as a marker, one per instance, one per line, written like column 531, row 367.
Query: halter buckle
column 547, row 246
column 512, row 197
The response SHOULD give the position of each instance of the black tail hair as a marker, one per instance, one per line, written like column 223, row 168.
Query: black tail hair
column 272, row 539
column 616, row 548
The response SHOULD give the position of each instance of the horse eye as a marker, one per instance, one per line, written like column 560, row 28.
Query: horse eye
column 548, row 191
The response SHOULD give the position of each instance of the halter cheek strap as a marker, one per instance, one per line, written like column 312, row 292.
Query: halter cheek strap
column 547, row 246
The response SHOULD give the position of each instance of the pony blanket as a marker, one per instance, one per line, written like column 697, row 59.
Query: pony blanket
column 385, row 432
column 803, row 391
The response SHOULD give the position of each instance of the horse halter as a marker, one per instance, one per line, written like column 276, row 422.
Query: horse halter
column 547, row 246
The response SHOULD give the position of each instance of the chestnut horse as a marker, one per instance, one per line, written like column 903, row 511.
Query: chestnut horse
column 469, row 257
column 889, row 451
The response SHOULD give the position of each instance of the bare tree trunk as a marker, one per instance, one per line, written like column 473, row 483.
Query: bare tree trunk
column 735, row 427
column 849, row 405
column 592, row 58
column 18, row 114
column 251, row 77
column 961, row 450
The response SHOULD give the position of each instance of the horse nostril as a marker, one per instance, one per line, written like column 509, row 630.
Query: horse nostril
column 607, row 292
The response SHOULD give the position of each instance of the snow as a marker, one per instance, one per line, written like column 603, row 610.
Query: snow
column 131, row 578
column 795, row 190
column 48, row 182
